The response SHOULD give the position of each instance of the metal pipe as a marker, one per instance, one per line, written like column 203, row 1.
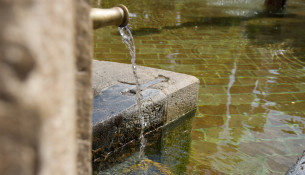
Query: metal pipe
column 117, row 16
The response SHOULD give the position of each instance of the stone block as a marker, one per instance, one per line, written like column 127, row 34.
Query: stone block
column 83, row 56
column 181, row 90
column 116, row 126
column 43, row 87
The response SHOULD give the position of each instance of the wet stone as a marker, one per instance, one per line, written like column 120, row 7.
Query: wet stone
column 241, row 89
column 148, row 167
column 280, row 97
column 263, row 148
column 247, row 67
column 229, row 148
column 204, row 169
column 176, row 143
column 300, row 96
column 251, row 109
column 190, row 167
column 207, row 122
column 283, row 88
column 227, row 159
column 217, row 109
column 281, row 163
column 274, row 132
column 277, row 118
column 245, row 98
column 296, row 146
column 197, row 135
column 221, row 98
column 237, row 133
column 116, row 125
column 168, row 145
column 247, row 81
column 237, row 120
column 270, row 172
column 213, row 133
column 256, row 122
column 208, row 99
column 251, row 165
column 213, row 81
column 212, row 90
column 291, row 106
column 205, row 148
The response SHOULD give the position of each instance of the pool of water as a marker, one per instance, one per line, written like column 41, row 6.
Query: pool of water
column 251, row 65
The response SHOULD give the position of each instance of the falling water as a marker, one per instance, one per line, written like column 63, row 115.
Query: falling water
column 129, row 42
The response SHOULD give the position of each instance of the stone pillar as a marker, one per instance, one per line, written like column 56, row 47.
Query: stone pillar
column 37, row 87
column 84, row 88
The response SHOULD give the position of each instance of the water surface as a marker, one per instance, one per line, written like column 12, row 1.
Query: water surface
column 251, row 65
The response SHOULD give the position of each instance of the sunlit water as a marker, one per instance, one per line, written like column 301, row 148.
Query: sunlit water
column 251, row 65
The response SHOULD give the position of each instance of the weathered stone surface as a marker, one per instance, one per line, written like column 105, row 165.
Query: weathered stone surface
column 83, row 54
column 116, row 126
column 37, row 87
column 116, row 136
column 168, row 145
column 181, row 89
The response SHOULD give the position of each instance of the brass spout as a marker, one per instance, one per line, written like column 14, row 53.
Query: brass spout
column 117, row 16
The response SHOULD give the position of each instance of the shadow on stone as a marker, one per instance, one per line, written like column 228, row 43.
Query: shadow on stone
column 116, row 125
column 166, row 152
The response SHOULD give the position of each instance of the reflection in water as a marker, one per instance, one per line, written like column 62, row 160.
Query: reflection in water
column 232, row 80
column 251, row 111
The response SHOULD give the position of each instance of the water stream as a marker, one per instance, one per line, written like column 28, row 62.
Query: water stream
column 127, row 39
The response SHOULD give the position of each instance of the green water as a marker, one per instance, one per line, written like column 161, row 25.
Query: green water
column 251, row 65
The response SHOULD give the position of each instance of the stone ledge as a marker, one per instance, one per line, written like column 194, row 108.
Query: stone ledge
column 181, row 90
column 116, row 126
